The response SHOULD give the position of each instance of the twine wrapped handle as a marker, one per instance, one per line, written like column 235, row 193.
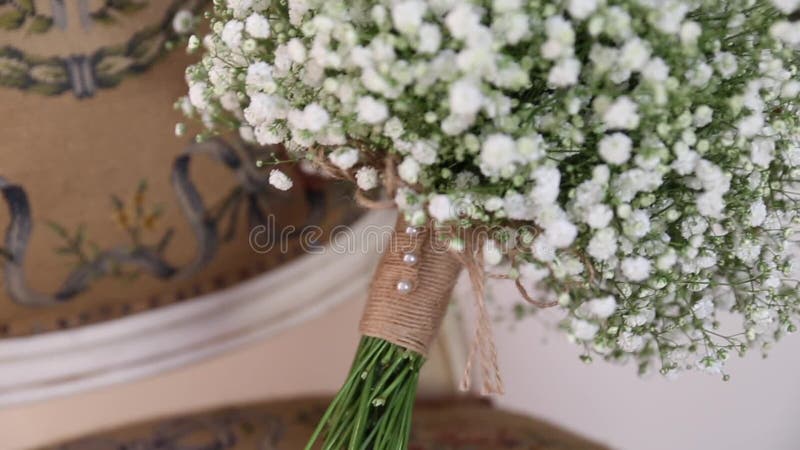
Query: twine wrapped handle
column 409, row 295
column 411, row 289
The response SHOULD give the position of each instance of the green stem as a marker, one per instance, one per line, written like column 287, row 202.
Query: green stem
column 373, row 409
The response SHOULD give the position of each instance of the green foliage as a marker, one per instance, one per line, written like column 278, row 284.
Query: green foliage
column 26, row 6
column 12, row 20
column 74, row 245
column 40, row 24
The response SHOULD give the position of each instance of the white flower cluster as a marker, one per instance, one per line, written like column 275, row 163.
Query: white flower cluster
column 649, row 149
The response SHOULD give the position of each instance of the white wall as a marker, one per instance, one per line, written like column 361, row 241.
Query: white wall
column 758, row 409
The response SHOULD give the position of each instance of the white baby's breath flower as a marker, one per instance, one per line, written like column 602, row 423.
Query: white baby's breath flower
column 465, row 97
column 257, row 26
column 512, row 28
column 247, row 134
column 424, row 152
column 499, row 155
column 532, row 147
column 315, row 117
column 441, row 208
column 430, row 38
column 656, row 70
column 637, row 224
column 667, row 260
column 517, row 207
column 265, row 108
column 240, row 8
column 710, row 204
column 367, row 178
column 584, row 330
column 600, row 308
column 790, row 89
column 762, row 152
column 232, row 34
column 462, row 20
column 699, row 75
column 197, row 95
column 296, row 51
column 493, row 204
column 492, row 253
column 630, row 342
column 279, row 180
column 547, row 184
column 615, row 148
column 230, row 102
column 635, row 54
column 183, row 21
column 690, row 32
column 297, row 10
column 564, row 73
column 542, row 250
column 408, row 170
column 259, row 78
column 703, row 116
column 372, row 111
column 393, row 128
column 599, row 216
column 267, row 134
column 751, row 125
column 636, row 268
column 787, row 6
column 560, row 30
column 344, row 158
column 758, row 213
column 622, row 114
column 561, row 233
column 407, row 15
column 603, row 244
column 726, row 64
column 193, row 44
column 581, row 9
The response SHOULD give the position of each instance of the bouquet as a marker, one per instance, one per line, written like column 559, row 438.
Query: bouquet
column 632, row 162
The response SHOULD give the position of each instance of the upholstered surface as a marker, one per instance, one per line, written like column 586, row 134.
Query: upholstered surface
column 104, row 212
column 464, row 424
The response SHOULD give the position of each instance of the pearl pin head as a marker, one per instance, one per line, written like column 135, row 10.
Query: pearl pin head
column 412, row 231
column 410, row 259
column 404, row 286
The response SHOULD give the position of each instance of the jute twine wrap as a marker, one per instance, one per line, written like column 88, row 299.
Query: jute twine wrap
column 410, row 320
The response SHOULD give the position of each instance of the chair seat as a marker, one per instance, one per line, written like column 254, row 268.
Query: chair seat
column 458, row 424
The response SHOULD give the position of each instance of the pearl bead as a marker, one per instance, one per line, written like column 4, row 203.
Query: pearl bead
column 410, row 259
column 404, row 286
column 412, row 231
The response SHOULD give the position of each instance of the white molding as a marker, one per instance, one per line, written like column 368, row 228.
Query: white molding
column 67, row 362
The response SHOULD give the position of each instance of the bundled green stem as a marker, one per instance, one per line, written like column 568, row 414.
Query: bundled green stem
column 373, row 409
